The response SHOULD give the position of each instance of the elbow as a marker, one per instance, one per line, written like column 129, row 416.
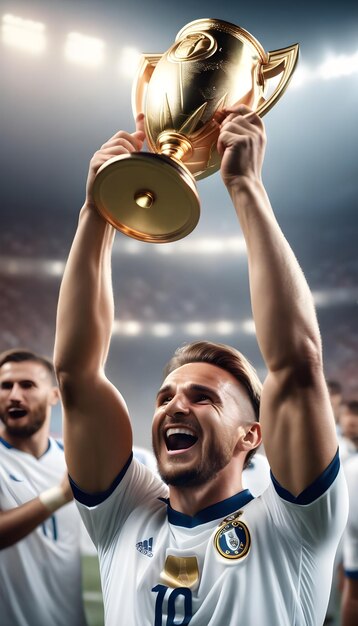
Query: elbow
column 302, row 365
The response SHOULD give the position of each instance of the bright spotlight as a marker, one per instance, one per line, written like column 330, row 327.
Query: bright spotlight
column 23, row 34
column 162, row 329
column 84, row 50
column 301, row 76
column 195, row 328
column 341, row 65
column 129, row 328
column 248, row 327
column 225, row 327
column 129, row 61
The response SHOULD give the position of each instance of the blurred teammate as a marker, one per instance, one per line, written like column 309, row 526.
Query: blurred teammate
column 349, row 422
column 336, row 397
column 350, row 548
column 40, row 570
column 211, row 554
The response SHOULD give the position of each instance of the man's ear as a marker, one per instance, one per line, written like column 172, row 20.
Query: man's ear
column 54, row 396
column 251, row 437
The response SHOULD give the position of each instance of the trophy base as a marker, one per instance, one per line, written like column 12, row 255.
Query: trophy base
column 147, row 196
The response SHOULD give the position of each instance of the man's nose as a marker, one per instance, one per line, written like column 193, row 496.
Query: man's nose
column 178, row 405
column 16, row 393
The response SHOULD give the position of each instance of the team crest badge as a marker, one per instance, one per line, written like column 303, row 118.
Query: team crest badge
column 232, row 539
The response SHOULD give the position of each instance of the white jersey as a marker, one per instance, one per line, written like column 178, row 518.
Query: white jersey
column 40, row 576
column 256, row 476
column 350, row 539
column 243, row 561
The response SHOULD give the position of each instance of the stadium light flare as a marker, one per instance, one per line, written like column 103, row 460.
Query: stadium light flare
column 25, row 35
column 336, row 66
column 129, row 327
column 129, row 60
column 84, row 50
column 30, row 36
column 163, row 330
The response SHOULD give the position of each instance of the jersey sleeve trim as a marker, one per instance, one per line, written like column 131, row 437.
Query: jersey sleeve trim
column 92, row 499
column 351, row 574
column 6, row 443
column 316, row 489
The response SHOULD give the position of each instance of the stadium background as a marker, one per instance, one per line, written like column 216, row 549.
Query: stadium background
column 62, row 95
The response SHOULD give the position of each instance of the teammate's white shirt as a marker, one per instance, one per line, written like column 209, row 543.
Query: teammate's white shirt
column 40, row 576
column 256, row 476
column 163, row 568
column 350, row 538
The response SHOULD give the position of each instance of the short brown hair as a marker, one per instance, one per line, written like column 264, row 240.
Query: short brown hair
column 18, row 355
column 227, row 358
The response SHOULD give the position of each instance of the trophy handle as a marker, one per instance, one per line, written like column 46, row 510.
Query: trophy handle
column 145, row 70
column 283, row 62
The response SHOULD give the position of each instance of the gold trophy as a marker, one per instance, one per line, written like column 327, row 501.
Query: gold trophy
column 152, row 196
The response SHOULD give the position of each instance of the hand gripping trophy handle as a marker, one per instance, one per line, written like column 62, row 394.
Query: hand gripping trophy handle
column 211, row 65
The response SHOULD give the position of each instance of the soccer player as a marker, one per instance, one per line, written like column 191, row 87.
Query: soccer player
column 350, row 547
column 201, row 550
column 40, row 567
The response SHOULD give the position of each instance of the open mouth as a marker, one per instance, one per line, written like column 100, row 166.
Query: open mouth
column 17, row 413
column 179, row 439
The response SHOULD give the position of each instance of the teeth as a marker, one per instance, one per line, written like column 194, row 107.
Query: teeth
column 179, row 431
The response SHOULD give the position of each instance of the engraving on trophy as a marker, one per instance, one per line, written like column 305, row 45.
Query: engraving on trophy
column 194, row 46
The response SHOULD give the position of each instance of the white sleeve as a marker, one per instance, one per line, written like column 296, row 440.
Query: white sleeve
column 105, row 513
column 317, row 515
column 350, row 541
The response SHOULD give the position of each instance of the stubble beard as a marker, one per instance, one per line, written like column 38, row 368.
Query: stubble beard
column 212, row 462
column 38, row 418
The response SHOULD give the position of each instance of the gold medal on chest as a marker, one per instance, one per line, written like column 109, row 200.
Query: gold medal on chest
column 232, row 539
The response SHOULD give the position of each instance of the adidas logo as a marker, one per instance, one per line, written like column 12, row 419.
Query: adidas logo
column 145, row 547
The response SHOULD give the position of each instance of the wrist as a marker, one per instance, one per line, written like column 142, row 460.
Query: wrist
column 53, row 498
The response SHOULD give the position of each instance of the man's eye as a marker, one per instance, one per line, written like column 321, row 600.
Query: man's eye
column 165, row 400
column 203, row 398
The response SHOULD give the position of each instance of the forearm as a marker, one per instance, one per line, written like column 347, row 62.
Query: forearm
column 85, row 310
column 282, row 304
column 19, row 522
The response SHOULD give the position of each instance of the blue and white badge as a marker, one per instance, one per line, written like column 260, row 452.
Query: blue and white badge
column 232, row 540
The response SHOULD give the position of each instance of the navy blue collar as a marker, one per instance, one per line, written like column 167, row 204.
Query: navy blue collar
column 215, row 511
column 10, row 447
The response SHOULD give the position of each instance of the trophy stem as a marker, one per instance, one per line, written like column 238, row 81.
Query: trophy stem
column 174, row 145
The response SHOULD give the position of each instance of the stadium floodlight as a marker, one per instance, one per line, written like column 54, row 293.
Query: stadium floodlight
column 130, row 327
column 224, row 327
column 195, row 328
column 84, row 50
column 248, row 327
column 23, row 34
column 129, row 61
column 161, row 329
column 337, row 66
column 205, row 246
column 302, row 75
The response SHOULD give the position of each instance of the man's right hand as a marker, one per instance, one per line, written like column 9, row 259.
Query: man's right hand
column 121, row 143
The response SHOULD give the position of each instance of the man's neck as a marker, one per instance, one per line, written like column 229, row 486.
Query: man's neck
column 191, row 500
column 36, row 445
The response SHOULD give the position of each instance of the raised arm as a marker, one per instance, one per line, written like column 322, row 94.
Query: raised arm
column 296, row 416
column 97, row 429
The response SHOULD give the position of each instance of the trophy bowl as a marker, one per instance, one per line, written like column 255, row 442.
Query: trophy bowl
column 152, row 196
